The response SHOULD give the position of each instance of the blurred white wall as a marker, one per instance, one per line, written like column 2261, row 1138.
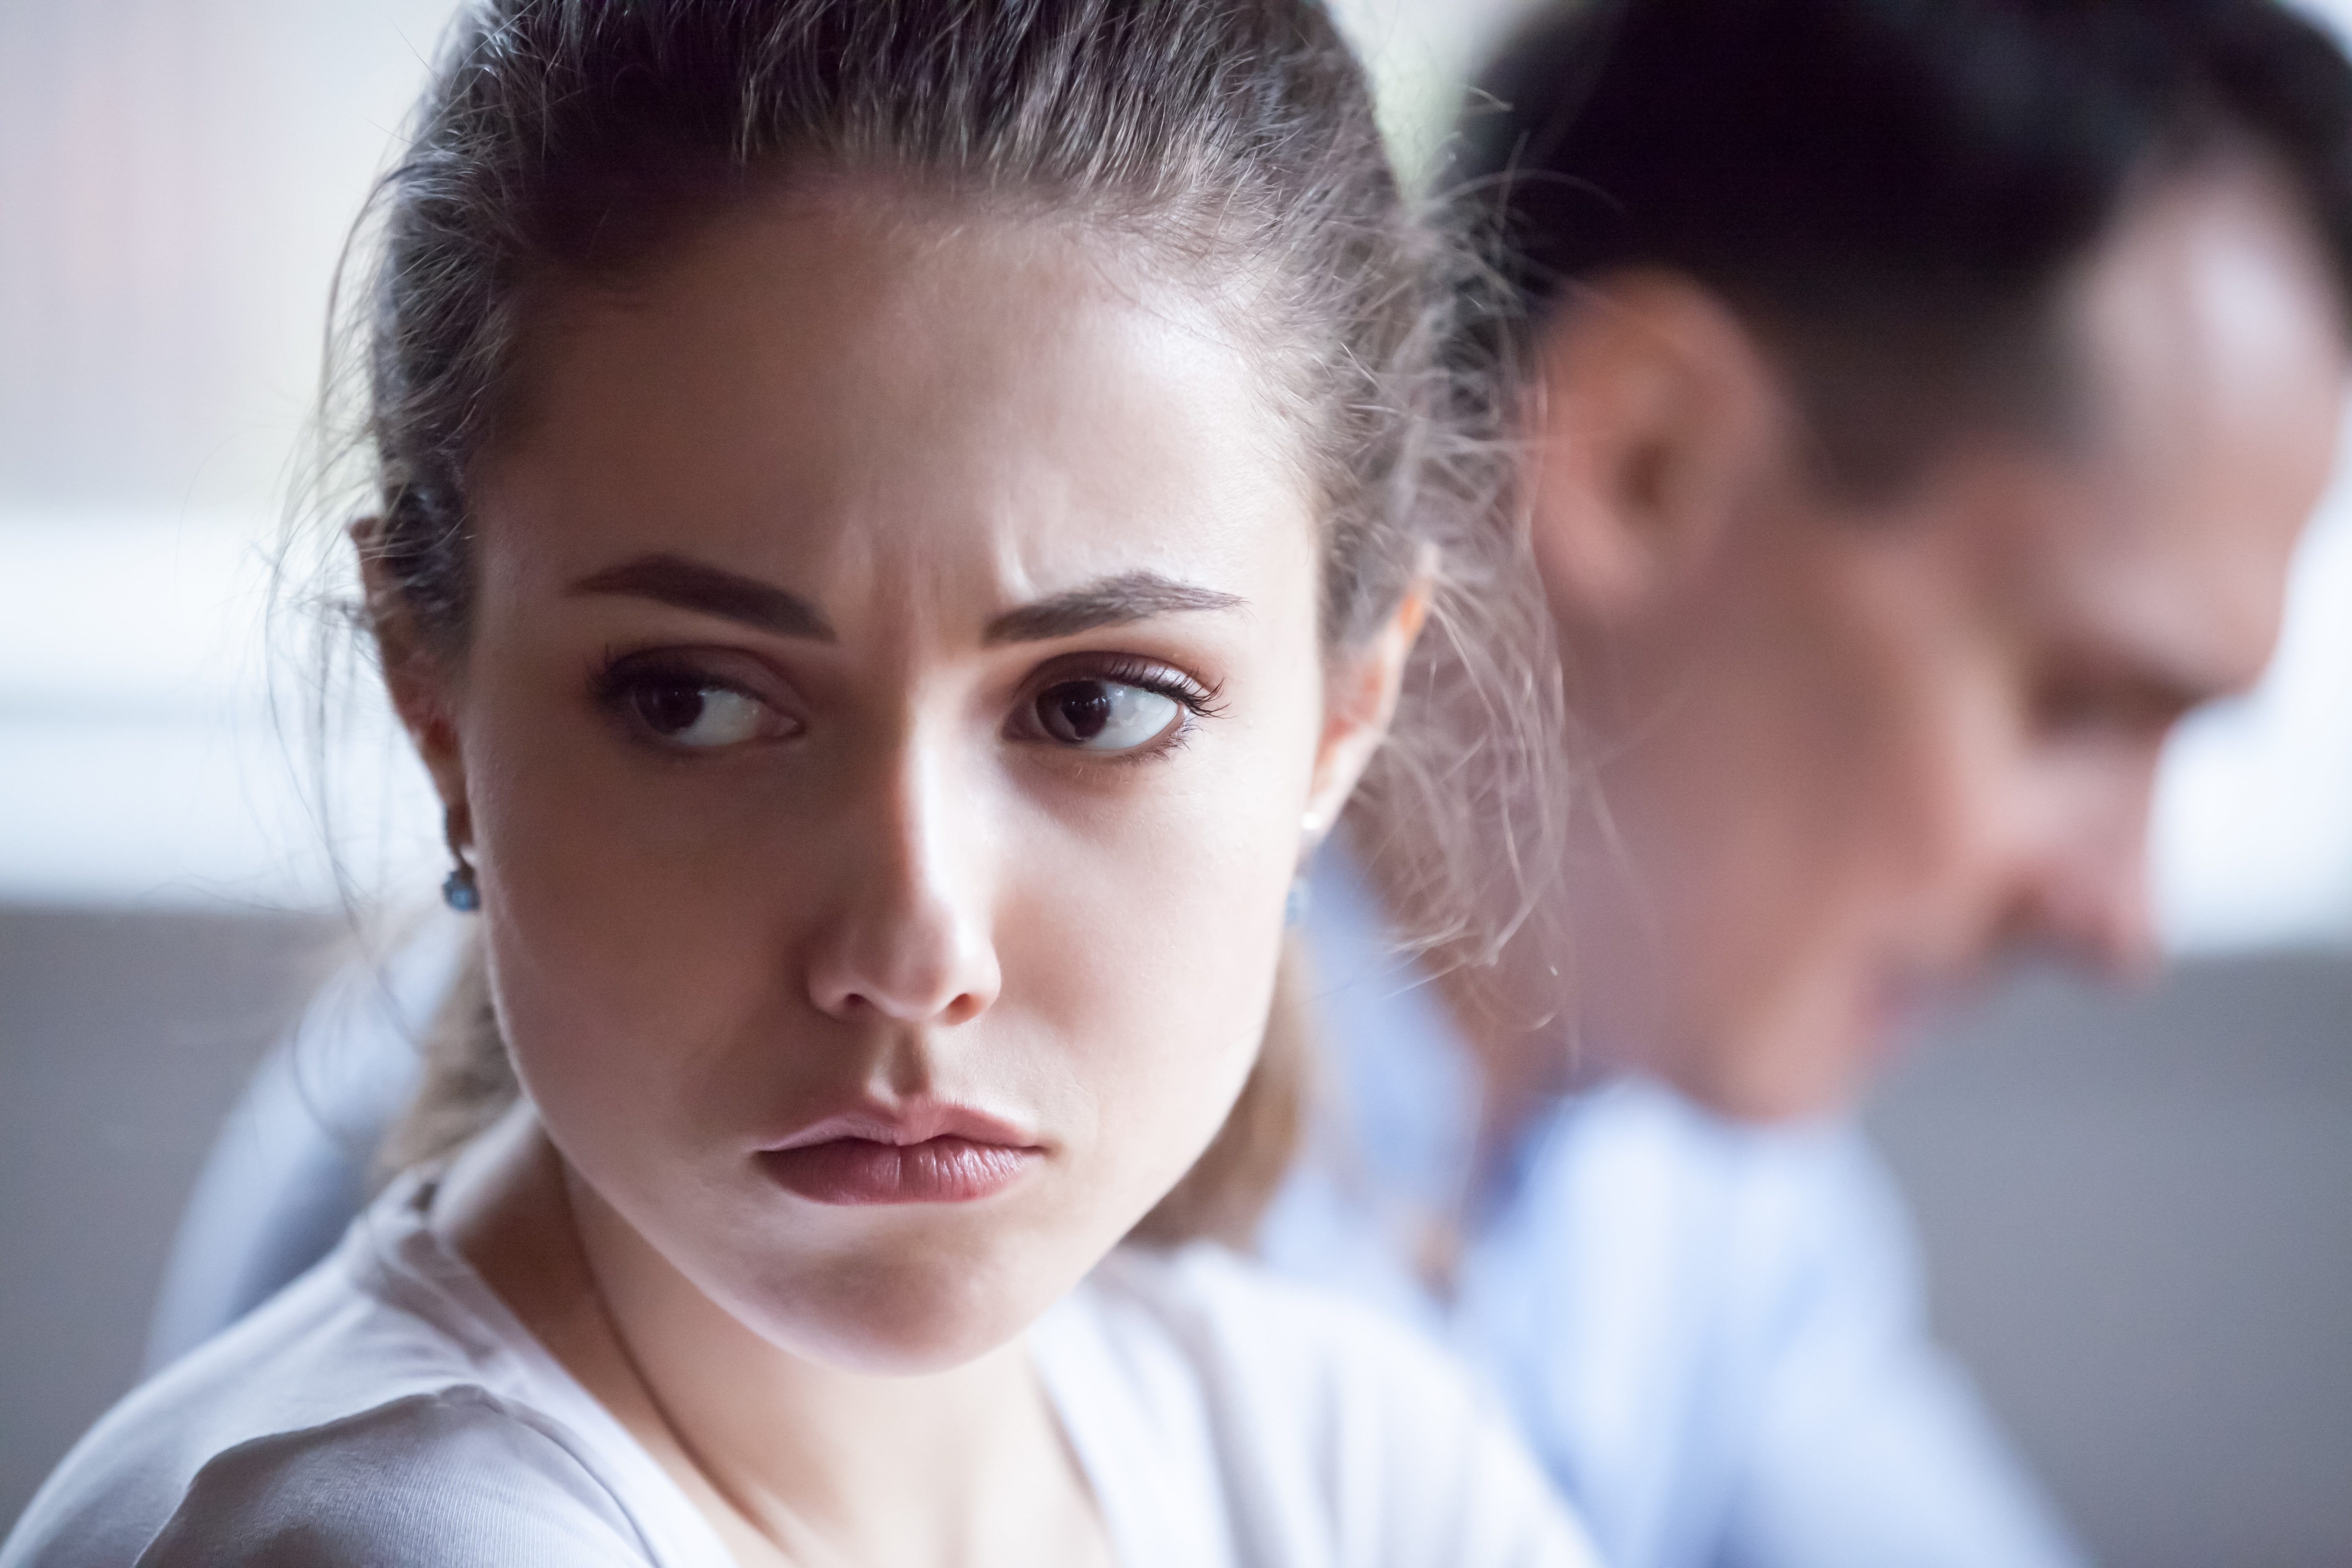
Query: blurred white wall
column 179, row 175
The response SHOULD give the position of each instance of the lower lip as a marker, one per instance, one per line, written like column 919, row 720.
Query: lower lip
column 861, row 1171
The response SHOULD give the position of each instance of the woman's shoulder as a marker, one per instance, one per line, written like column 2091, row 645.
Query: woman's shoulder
column 370, row 1393
column 190, row 1471
column 457, row 1476
column 1304, row 1355
column 1301, row 1342
column 1316, row 1429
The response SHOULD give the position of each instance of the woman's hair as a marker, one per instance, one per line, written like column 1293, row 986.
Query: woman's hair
column 1227, row 145
column 1890, row 191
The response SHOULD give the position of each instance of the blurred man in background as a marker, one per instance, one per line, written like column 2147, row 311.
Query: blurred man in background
column 1925, row 399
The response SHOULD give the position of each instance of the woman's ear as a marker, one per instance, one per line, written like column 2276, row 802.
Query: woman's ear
column 418, row 678
column 1361, row 698
column 1654, row 417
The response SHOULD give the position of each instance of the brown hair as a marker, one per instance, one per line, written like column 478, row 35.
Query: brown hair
column 1232, row 142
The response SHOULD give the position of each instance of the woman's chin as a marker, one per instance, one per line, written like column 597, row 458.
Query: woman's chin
column 905, row 1308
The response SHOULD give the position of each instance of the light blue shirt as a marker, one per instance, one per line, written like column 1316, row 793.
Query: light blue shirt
column 1711, row 1333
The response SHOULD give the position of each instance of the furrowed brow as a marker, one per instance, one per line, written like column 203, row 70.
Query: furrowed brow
column 1113, row 602
column 691, row 585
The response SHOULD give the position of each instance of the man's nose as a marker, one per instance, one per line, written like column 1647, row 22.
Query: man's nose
column 910, row 935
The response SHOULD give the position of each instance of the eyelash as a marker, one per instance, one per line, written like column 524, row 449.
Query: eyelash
column 1147, row 676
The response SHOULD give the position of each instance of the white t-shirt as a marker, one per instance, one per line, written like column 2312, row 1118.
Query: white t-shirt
column 387, row 1408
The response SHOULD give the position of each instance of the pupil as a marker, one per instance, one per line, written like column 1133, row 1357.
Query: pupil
column 670, row 707
column 1079, row 711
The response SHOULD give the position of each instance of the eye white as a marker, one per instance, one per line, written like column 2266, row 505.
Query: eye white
column 1104, row 715
column 725, row 718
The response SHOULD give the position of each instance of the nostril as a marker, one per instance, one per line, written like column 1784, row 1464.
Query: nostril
column 905, row 975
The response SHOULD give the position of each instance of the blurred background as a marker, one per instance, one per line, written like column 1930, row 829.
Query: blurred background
column 2138, row 1208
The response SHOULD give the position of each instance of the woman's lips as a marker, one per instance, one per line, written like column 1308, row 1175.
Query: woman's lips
column 921, row 1151
column 947, row 1169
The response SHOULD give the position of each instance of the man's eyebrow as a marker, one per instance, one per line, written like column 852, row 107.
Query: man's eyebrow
column 1113, row 602
column 691, row 585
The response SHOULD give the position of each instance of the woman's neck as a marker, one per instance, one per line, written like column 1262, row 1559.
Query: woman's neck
column 792, row 1461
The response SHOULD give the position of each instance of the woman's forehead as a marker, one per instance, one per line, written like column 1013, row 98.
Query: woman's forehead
column 821, row 394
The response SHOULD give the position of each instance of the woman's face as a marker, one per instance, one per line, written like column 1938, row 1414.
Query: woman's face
column 892, row 700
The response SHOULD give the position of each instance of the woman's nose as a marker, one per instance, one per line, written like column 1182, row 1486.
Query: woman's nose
column 911, row 936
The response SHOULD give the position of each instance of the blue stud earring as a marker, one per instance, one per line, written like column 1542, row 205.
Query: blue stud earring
column 459, row 890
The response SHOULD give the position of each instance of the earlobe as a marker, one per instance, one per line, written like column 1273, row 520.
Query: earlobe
column 1653, row 417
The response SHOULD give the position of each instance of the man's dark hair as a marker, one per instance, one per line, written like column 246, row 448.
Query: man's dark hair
column 1888, row 192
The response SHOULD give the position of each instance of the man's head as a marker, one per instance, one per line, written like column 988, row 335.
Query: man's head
column 1927, row 400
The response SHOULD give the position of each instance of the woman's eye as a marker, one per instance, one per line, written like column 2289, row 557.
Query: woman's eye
column 1104, row 715
column 695, row 713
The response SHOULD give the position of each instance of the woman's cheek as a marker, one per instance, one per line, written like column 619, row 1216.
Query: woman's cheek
column 607, row 930
column 1157, row 973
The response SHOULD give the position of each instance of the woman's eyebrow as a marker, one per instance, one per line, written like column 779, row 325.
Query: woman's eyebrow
column 1112, row 602
column 691, row 585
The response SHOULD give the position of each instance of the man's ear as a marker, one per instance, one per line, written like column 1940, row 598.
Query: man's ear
column 1361, row 698
column 416, row 676
column 1655, row 417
